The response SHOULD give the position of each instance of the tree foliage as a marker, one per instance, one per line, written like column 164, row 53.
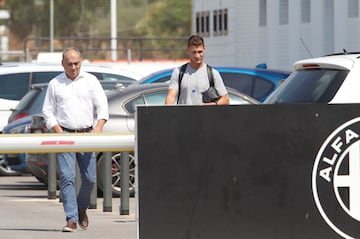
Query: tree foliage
column 166, row 18
column 81, row 17
column 91, row 18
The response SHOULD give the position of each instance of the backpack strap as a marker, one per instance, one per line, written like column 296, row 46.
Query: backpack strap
column 181, row 74
column 210, row 75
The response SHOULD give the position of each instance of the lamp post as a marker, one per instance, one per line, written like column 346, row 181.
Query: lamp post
column 51, row 25
column 113, row 30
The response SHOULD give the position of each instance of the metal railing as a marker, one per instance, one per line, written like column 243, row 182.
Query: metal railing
column 99, row 48
column 81, row 142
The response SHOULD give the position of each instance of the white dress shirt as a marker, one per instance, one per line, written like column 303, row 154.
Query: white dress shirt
column 75, row 104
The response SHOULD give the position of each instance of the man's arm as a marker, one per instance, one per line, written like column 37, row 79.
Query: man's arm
column 223, row 100
column 99, row 126
column 171, row 96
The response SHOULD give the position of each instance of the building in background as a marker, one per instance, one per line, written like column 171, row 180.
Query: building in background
column 275, row 32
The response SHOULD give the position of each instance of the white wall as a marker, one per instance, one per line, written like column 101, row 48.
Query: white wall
column 279, row 46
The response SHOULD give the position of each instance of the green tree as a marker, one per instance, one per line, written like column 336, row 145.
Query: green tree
column 91, row 19
column 80, row 17
column 166, row 18
column 24, row 18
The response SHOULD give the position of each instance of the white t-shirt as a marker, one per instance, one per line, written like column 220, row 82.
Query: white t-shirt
column 194, row 82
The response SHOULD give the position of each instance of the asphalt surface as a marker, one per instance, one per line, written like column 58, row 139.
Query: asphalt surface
column 25, row 212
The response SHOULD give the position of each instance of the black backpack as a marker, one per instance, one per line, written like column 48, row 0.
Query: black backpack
column 182, row 71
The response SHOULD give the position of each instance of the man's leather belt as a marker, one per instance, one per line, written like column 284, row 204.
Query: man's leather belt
column 77, row 130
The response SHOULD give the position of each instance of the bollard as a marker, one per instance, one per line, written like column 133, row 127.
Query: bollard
column 107, row 188
column 124, row 183
column 93, row 198
column 52, row 176
column 77, row 178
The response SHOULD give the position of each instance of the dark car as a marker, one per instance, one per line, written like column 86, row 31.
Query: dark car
column 122, row 106
column 257, row 82
column 18, row 122
column 31, row 102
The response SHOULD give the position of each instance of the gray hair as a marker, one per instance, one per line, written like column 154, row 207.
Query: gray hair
column 69, row 49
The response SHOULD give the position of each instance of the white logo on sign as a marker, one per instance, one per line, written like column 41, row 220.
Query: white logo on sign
column 336, row 180
column 350, row 181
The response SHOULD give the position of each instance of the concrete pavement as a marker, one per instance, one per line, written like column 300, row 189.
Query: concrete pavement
column 25, row 212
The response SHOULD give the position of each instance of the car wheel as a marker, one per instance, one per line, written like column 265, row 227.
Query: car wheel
column 7, row 171
column 116, row 172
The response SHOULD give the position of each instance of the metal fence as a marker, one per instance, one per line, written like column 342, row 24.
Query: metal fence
column 99, row 48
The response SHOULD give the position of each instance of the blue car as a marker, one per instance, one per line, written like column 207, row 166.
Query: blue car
column 15, row 164
column 257, row 82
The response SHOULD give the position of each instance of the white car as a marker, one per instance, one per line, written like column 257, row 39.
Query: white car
column 332, row 79
column 16, row 79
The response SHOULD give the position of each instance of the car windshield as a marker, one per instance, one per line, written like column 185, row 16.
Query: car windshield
column 36, row 106
column 27, row 98
column 309, row 86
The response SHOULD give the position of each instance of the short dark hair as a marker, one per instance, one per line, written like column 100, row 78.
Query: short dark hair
column 195, row 40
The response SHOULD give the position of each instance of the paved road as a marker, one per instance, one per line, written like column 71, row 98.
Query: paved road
column 25, row 212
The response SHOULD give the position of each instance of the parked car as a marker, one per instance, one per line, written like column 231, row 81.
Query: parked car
column 31, row 103
column 16, row 79
column 14, row 164
column 330, row 79
column 257, row 82
column 122, row 106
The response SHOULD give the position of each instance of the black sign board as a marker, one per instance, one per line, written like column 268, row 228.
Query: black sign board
column 249, row 171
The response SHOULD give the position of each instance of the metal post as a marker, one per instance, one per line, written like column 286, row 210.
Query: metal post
column 113, row 25
column 77, row 178
column 52, row 176
column 107, row 190
column 124, row 183
column 93, row 197
column 128, row 53
column 51, row 25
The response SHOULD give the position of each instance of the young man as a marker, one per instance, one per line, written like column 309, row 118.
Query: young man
column 195, row 79
column 72, row 100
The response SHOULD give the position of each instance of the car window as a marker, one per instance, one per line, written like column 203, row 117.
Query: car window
column 43, row 77
column 131, row 105
column 309, row 86
column 241, row 82
column 14, row 86
column 25, row 101
column 36, row 106
column 162, row 79
column 152, row 98
column 113, row 77
column 256, row 87
column 155, row 98
column 262, row 88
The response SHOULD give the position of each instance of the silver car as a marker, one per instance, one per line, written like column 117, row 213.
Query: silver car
column 122, row 107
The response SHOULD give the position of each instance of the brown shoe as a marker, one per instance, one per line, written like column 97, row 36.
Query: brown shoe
column 70, row 227
column 83, row 220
